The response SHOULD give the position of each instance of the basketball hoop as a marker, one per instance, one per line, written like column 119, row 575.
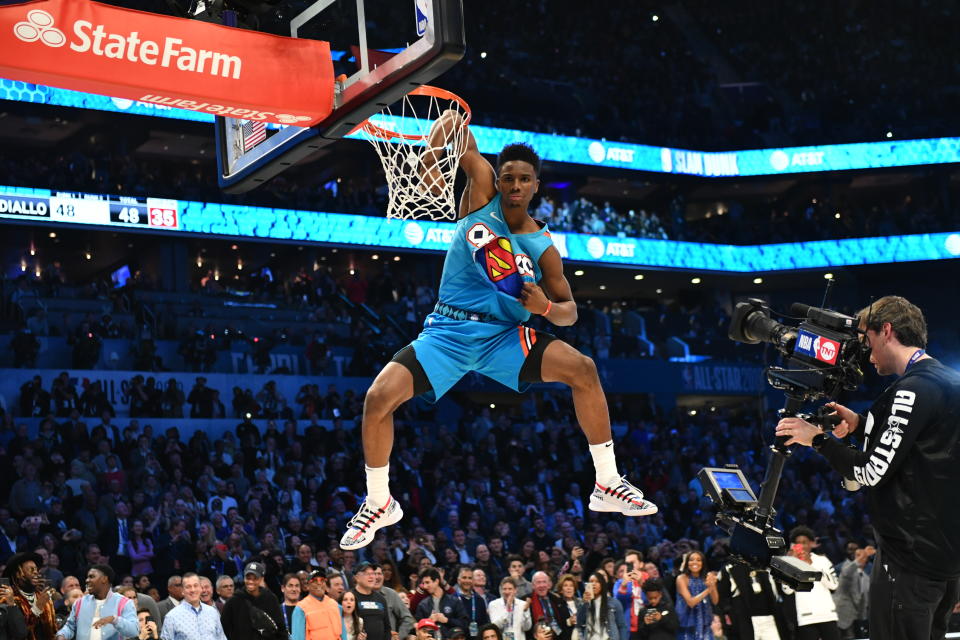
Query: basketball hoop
column 420, row 179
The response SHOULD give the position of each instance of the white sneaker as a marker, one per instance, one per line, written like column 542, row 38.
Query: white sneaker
column 369, row 519
column 622, row 498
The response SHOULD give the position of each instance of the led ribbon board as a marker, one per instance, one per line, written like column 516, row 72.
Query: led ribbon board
column 183, row 216
column 586, row 151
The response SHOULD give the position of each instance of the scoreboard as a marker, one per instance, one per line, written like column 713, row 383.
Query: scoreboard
column 85, row 208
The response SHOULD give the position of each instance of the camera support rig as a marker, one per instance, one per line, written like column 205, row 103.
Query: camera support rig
column 822, row 358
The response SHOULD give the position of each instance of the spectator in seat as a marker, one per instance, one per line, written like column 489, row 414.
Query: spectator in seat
column 317, row 616
column 548, row 606
column 473, row 603
column 201, row 399
column 696, row 590
column 172, row 400
column 600, row 617
column 34, row 400
column 816, row 610
column 174, row 595
column 225, row 588
column 510, row 613
column 852, row 594
column 659, row 619
column 371, row 605
column 101, row 613
column 36, row 605
column 140, row 550
column 253, row 613
column 12, row 623
column 443, row 608
column 352, row 622
column 191, row 619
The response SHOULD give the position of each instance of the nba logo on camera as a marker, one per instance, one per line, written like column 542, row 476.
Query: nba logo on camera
column 817, row 347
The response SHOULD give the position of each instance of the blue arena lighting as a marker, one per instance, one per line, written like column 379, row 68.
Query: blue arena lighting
column 184, row 216
column 592, row 152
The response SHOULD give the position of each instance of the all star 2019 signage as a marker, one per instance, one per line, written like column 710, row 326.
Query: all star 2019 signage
column 98, row 48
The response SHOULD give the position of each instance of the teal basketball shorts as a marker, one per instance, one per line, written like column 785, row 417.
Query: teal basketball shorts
column 448, row 349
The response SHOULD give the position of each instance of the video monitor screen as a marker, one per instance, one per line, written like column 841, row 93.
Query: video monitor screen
column 741, row 495
column 728, row 480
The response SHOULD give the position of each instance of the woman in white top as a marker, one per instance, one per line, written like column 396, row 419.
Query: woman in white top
column 351, row 618
column 509, row 612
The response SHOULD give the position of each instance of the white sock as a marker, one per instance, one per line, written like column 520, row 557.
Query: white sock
column 378, row 484
column 605, row 463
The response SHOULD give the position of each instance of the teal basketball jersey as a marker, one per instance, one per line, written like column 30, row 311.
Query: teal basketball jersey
column 486, row 264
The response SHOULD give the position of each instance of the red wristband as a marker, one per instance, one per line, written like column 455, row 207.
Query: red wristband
column 549, row 306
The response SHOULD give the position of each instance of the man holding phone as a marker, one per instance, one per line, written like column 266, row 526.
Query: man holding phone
column 660, row 621
column 148, row 626
column 628, row 591
column 816, row 611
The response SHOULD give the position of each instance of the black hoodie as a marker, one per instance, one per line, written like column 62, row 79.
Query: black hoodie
column 910, row 467
column 239, row 621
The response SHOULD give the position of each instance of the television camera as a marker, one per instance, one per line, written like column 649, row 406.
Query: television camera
column 822, row 357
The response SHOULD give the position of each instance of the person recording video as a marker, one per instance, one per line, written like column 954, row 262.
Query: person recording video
column 659, row 620
column 148, row 627
column 910, row 465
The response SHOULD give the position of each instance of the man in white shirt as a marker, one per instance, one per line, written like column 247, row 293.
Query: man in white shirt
column 510, row 613
column 816, row 611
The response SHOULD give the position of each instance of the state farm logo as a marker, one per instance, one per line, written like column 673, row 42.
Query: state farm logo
column 39, row 26
column 97, row 40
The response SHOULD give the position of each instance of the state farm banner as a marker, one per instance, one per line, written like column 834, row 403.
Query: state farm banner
column 186, row 64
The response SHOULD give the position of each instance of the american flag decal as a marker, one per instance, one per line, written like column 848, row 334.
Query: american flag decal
column 253, row 134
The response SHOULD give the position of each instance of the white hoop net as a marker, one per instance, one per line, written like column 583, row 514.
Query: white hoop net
column 420, row 178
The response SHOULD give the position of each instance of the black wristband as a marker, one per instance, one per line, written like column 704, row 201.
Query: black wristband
column 819, row 440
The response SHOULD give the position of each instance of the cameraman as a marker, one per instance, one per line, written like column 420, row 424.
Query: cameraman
column 911, row 464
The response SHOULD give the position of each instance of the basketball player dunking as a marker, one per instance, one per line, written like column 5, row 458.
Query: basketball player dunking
column 490, row 286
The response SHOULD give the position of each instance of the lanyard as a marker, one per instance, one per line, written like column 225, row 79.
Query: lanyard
column 916, row 356
column 552, row 615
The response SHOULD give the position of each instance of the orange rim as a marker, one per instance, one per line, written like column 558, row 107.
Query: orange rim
column 423, row 90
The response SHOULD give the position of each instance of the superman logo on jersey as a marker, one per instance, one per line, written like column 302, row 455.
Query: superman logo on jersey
column 495, row 256
column 498, row 260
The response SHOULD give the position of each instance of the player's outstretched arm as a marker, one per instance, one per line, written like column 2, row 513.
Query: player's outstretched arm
column 555, row 291
column 481, row 178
